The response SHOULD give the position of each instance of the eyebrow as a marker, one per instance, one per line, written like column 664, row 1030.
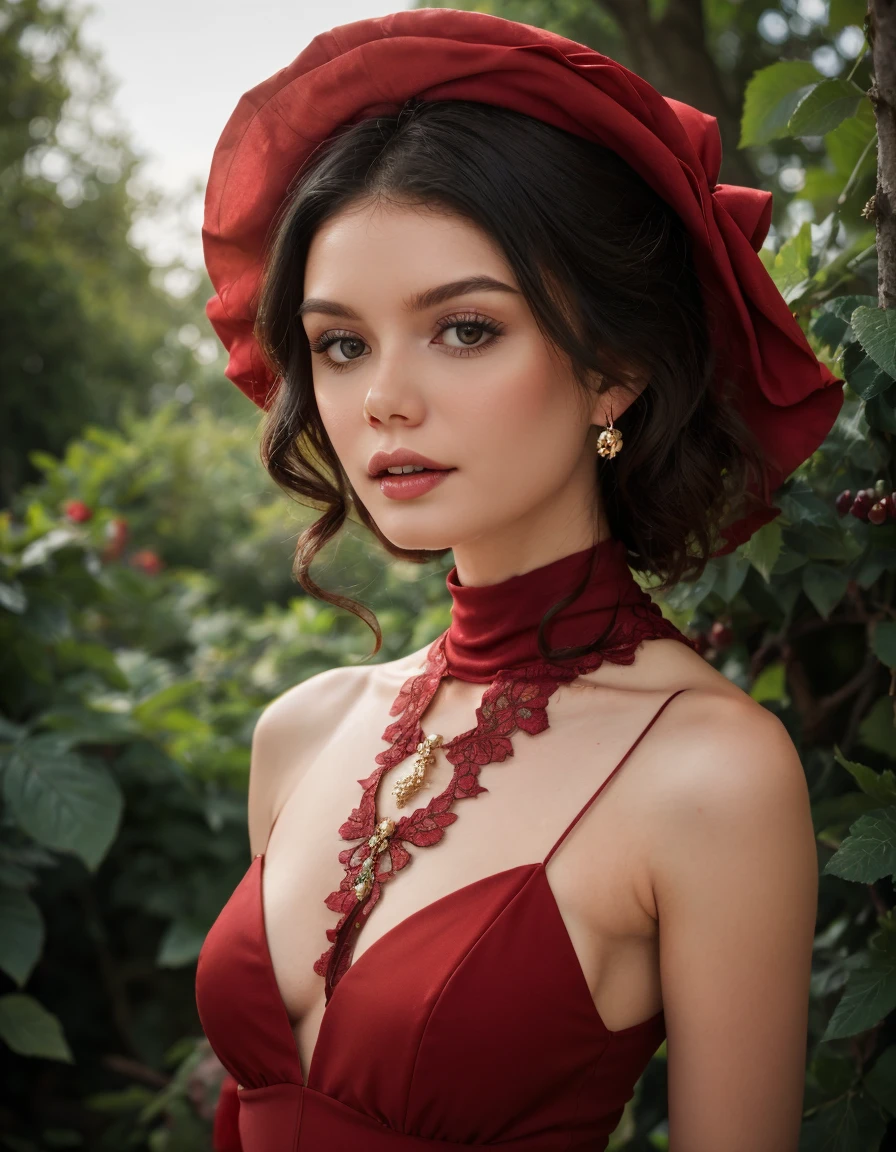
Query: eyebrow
column 418, row 303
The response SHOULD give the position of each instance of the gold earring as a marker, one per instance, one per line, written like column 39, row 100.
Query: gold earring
column 609, row 442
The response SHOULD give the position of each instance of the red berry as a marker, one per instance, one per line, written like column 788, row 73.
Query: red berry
column 147, row 561
column 720, row 636
column 843, row 502
column 877, row 513
column 78, row 512
column 701, row 643
column 860, row 506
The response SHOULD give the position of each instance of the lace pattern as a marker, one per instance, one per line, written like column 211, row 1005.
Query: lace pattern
column 516, row 699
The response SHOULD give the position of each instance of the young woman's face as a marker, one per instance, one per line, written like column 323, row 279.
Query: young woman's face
column 464, row 378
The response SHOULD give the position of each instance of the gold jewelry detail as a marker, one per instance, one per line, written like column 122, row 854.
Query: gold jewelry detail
column 408, row 785
column 609, row 443
column 377, row 842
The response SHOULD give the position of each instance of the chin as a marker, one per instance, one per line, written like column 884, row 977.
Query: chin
column 423, row 541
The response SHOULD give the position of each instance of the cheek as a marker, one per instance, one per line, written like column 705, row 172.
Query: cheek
column 335, row 413
column 523, row 404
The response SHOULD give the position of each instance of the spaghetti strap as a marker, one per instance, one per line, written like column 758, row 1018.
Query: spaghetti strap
column 270, row 832
column 585, row 808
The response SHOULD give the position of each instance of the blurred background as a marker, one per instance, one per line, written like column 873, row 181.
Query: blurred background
column 147, row 610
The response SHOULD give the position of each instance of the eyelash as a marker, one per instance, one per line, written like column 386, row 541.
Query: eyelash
column 324, row 341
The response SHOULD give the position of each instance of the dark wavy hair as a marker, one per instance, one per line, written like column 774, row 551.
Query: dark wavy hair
column 604, row 264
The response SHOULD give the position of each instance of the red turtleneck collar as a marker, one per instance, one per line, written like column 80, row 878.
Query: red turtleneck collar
column 496, row 626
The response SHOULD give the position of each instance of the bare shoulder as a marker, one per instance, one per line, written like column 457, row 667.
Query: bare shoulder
column 724, row 756
column 289, row 733
column 729, row 778
column 733, row 869
column 723, row 745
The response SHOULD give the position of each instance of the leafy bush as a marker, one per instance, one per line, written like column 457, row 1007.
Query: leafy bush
column 135, row 656
column 147, row 615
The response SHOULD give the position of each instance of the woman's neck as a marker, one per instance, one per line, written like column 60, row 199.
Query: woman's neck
column 495, row 626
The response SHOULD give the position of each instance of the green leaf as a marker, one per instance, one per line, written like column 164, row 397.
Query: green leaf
column 864, row 375
column 880, row 1082
column 790, row 267
column 30, row 1030
column 763, row 547
column 825, row 587
column 832, row 319
column 153, row 710
column 847, row 142
column 180, row 945
column 13, row 598
column 39, row 551
column 62, row 801
column 801, row 505
column 772, row 95
column 685, row 598
column 10, row 731
column 870, row 993
column 877, row 730
column 852, row 1123
column 23, row 934
column 833, row 1074
column 832, row 816
column 881, row 787
column 824, row 107
column 770, row 684
column 869, row 851
column 733, row 570
column 880, row 410
column 885, row 642
column 78, row 654
column 875, row 329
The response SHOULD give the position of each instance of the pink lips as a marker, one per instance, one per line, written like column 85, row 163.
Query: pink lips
column 398, row 458
column 411, row 484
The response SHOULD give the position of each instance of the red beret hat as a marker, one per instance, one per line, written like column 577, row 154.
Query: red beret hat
column 371, row 67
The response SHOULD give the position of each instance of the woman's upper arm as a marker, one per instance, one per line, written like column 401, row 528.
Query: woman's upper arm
column 289, row 733
column 735, row 875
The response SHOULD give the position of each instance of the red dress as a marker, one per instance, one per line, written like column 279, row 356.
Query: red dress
column 471, row 1021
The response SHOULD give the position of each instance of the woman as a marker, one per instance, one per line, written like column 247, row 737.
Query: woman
column 452, row 242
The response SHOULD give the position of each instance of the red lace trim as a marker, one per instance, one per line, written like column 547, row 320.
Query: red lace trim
column 516, row 699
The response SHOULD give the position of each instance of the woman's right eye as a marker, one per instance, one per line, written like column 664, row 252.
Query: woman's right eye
column 348, row 346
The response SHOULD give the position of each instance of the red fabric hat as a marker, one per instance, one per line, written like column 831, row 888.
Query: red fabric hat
column 371, row 67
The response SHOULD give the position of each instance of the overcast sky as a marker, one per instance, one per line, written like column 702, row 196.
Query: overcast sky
column 182, row 66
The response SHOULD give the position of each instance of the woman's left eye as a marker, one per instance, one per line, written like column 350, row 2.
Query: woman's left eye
column 469, row 330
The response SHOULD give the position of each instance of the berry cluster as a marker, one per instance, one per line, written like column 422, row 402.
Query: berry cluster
column 117, row 535
column 872, row 504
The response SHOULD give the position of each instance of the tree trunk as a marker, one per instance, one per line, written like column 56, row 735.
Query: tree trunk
column 882, row 38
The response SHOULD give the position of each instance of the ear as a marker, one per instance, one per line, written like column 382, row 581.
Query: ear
column 612, row 399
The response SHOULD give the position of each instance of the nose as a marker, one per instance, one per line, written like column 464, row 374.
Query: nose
column 393, row 391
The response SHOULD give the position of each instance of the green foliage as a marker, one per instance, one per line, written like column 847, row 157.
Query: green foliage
column 133, row 666
column 147, row 613
column 82, row 322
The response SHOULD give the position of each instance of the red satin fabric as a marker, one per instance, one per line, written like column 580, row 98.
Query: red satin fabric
column 469, row 1023
column 495, row 626
column 370, row 67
